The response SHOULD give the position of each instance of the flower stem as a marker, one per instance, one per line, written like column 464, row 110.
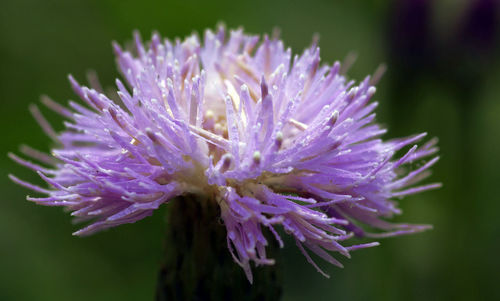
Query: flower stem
column 197, row 264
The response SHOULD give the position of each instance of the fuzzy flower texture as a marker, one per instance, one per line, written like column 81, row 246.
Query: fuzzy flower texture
column 276, row 141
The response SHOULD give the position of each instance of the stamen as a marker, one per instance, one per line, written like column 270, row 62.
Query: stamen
column 352, row 93
column 151, row 135
column 371, row 91
column 44, row 124
column 234, row 95
column 256, row 157
column 279, row 139
column 54, row 106
column 348, row 62
column 263, row 88
column 334, row 117
column 211, row 137
column 227, row 162
column 209, row 121
column 378, row 74
column 301, row 126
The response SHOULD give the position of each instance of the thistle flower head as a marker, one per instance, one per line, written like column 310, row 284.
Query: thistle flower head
column 276, row 141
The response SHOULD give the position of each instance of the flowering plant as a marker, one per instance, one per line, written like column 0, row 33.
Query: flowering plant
column 274, row 141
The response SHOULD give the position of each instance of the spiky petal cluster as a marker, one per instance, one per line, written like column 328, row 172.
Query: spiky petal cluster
column 274, row 140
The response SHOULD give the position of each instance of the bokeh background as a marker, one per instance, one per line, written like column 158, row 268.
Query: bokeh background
column 443, row 78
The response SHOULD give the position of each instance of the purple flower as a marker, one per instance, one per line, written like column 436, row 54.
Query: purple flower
column 275, row 141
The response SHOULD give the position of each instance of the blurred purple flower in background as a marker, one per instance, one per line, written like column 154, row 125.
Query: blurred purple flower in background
column 479, row 25
column 458, row 57
column 473, row 47
column 411, row 43
column 274, row 140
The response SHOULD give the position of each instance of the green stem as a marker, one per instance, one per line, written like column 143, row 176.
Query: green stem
column 197, row 264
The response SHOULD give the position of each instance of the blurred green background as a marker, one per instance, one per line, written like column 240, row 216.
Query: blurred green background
column 443, row 78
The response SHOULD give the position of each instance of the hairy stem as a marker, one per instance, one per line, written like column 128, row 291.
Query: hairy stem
column 197, row 264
